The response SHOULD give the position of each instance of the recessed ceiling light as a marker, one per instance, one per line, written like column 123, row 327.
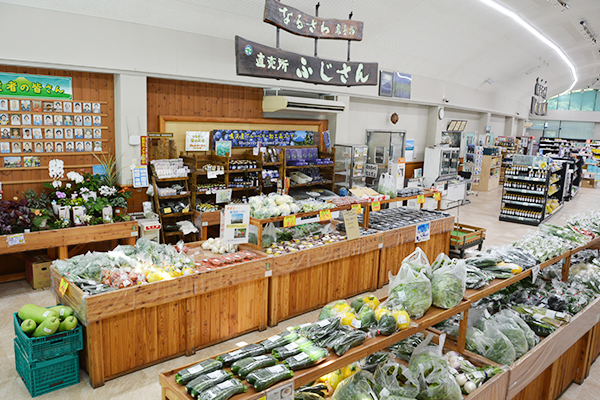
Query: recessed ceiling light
column 515, row 17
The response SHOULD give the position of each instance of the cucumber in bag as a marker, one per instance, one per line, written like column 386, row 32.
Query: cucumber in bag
column 291, row 349
column 246, row 365
column 326, row 341
column 322, row 328
column 307, row 358
column 186, row 375
column 223, row 390
column 342, row 345
column 250, row 350
column 279, row 340
column 205, row 381
column 266, row 377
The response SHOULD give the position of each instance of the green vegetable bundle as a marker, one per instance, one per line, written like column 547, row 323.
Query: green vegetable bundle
column 223, row 390
column 204, row 367
column 206, row 381
column 307, row 358
column 250, row 350
column 321, row 328
column 279, row 340
column 405, row 348
column 448, row 284
column 246, row 365
column 346, row 342
column 359, row 386
column 291, row 349
column 395, row 379
column 412, row 289
column 266, row 377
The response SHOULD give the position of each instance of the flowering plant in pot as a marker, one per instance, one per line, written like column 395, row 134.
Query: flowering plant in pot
column 15, row 216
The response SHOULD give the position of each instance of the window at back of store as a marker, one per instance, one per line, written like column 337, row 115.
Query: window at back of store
column 576, row 130
column 576, row 98
column 589, row 100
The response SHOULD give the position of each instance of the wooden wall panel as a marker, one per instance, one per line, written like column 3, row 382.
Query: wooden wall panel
column 87, row 87
column 199, row 99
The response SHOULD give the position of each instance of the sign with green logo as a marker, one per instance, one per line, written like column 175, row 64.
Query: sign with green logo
column 36, row 86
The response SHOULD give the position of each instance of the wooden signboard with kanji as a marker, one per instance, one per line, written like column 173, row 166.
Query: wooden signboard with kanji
column 254, row 59
column 300, row 23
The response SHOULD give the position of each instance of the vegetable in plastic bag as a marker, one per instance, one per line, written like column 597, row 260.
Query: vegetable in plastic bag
column 345, row 343
column 367, row 318
column 491, row 343
column 246, row 365
column 333, row 309
column 448, row 284
column 412, row 289
column 206, row 366
column 205, row 381
column 223, row 390
column 513, row 332
column 307, row 396
column 370, row 362
column 291, row 349
column 418, row 261
column 327, row 341
column 266, row 377
column 360, row 386
column 405, row 348
column 250, row 350
column 321, row 328
column 307, row 358
column 279, row 340
column 532, row 338
column 396, row 379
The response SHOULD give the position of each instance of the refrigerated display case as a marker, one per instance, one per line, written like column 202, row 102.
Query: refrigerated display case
column 383, row 146
column 350, row 161
column 441, row 168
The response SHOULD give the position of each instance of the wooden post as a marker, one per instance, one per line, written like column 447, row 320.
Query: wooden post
column 191, row 323
column 566, row 268
column 462, row 331
column 63, row 252
column 95, row 362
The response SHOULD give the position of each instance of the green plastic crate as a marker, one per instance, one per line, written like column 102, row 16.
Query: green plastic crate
column 49, row 375
column 47, row 347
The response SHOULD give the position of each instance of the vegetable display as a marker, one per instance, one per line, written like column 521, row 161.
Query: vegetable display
column 206, row 381
column 412, row 289
column 448, row 284
column 36, row 321
column 223, row 391
column 186, row 375
column 266, row 377
column 250, row 350
column 310, row 356
column 279, row 340
column 246, row 365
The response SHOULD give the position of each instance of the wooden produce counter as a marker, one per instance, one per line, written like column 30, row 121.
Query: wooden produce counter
column 173, row 391
column 399, row 243
column 129, row 329
column 57, row 241
column 309, row 279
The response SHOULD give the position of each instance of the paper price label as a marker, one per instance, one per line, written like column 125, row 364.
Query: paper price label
column 289, row 221
column 376, row 206
column 357, row 208
column 62, row 288
column 421, row 199
column 437, row 196
column 324, row 215
column 168, row 210
column 211, row 174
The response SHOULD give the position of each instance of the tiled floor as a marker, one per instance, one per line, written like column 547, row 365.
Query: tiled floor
column 483, row 212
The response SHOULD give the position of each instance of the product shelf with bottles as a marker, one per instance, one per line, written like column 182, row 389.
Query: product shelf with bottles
column 526, row 190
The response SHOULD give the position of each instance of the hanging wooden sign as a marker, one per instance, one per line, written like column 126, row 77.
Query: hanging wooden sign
column 254, row 59
column 299, row 23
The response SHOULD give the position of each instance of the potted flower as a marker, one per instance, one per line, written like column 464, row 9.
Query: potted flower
column 41, row 218
column 15, row 216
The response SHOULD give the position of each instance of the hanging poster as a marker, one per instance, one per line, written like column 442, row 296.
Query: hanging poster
column 244, row 138
column 25, row 85
column 197, row 141
column 234, row 223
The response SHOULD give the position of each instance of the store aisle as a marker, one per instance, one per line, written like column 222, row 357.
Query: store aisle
column 483, row 211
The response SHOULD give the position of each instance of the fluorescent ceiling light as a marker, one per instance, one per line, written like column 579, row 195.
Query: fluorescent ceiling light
column 536, row 33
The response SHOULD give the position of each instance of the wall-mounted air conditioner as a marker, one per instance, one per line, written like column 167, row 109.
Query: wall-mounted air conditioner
column 288, row 103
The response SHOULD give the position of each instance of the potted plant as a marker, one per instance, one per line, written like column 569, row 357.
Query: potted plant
column 119, row 205
column 15, row 216
column 41, row 218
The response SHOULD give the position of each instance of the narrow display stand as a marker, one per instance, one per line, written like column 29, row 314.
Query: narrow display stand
column 529, row 184
column 169, row 216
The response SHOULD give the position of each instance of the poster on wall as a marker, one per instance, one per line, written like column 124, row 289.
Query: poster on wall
column 247, row 138
column 144, row 150
column 36, row 86
column 386, row 83
column 234, row 223
column 402, row 85
column 223, row 148
column 409, row 149
column 197, row 141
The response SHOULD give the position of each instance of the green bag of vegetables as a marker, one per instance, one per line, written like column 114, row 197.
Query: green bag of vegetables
column 204, row 367
column 395, row 379
column 404, row 348
column 246, row 365
column 345, row 343
column 418, row 261
column 359, row 386
column 279, row 340
column 513, row 332
column 532, row 338
column 291, row 349
column 223, row 390
column 491, row 343
column 448, row 284
column 307, row 358
column 367, row 318
column 412, row 289
column 266, row 377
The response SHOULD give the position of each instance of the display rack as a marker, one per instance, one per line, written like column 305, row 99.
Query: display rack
column 490, row 173
column 325, row 170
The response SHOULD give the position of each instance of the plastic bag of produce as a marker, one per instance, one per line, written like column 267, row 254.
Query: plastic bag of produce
column 250, row 350
column 186, row 375
column 321, row 328
column 291, row 349
column 532, row 338
column 418, row 261
column 279, row 340
column 491, row 343
column 513, row 332
column 246, row 365
column 393, row 378
column 223, row 390
column 441, row 260
column 372, row 361
column 360, row 386
column 269, row 235
column 346, row 342
column 448, row 284
column 333, row 309
column 412, row 289
column 310, row 356
column 366, row 319
column 405, row 348
column 266, row 377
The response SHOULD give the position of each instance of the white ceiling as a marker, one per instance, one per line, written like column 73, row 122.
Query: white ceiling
column 460, row 41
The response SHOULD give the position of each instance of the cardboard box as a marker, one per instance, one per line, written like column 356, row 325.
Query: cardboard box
column 37, row 271
column 588, row 183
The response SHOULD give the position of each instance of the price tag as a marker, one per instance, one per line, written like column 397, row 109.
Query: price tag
column 376, row 206
column 289, row 221
column 168, row 210
column 437, row 196
column 421, row 199
column 211, row 174
column 534, row 273
column 187, row 209
column 357, row 208
column 325, row 215
column 62, row 288
column 283, row 391
column 15, row 239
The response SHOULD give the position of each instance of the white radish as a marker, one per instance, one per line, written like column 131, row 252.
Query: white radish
column 470, row 387
column 461, row 379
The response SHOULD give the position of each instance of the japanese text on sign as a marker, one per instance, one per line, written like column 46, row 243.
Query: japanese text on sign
column 289, row 221
column 25, row 85
column 254, row 59
column 300, row 23
column 376, row 206
column 324, row 215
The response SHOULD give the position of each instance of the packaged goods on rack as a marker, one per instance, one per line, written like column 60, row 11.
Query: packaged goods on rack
column 393, row 218
column 170, row 168
column 543, row 247
column 273, row 205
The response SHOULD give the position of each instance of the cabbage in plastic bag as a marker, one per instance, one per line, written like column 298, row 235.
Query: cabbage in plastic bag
column 359, row 386
column 412, row 289
column 448, row 284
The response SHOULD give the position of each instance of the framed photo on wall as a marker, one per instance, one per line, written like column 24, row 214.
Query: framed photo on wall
column 386, row 83
column 402, row 85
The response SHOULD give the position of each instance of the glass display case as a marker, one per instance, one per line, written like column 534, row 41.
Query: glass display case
column 441, row 162
column 384, row 145
column 350, row 161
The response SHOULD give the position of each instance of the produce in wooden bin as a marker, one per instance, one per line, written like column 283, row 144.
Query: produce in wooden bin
column 266, row 377
column 346, row 342
column 309, row 356
column 279, row 340
column 291, row 349
column 448, row 284
column 396, row 379
column 246, row 365
column 223, row 391
column 466, row 374
column 359, row 386
column 250, row 350
column 412, row 289
column 186, row 375
column 206, row 381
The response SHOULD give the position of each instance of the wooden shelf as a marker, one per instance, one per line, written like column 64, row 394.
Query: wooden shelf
column 177, row 196
column 242, row 189
column 174, row 233
column 171, row 179
column 172, row 215
column 310, row 166
column 311, row 184
column 272, row 164
column 237, row 171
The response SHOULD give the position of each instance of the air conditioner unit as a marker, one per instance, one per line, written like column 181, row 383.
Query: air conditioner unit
column 287, row 103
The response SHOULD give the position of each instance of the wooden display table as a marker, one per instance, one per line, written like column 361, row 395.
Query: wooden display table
column 58, row 240
column 129, row 329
